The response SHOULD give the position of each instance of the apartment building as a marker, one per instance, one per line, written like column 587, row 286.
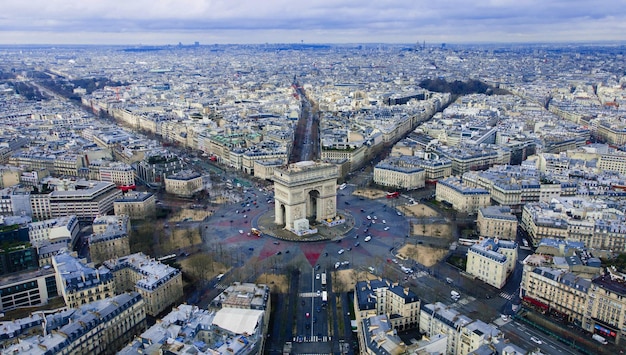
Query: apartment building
column 400, row 174
column 190, row 330
column 356, row 157
column 56, row 230
column 463, row 198
column 583, row 219
column 470, row 157
column 492, row 260
column 611, row 132
column 554, row 290
column 159, row 285
column 262, row 152
column 379, row 337
column 136, row 205
column 497, row 222
column 102, row 327
column 607, row 302
column 109, row 239
column 540, row 225
column 264, row 169
column 615, row 161
column 9, row 175
column 184, row 183
column 121, row 174
column 382, row 297
column 244, row 296
column 463, row 334
column 80, row 284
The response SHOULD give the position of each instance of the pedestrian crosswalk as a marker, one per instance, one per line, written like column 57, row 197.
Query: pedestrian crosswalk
column 220, row 287
column 506, row 295
column 312, row 339
column 309, row 294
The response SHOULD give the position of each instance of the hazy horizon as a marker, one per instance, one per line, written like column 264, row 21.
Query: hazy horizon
column 168, row 22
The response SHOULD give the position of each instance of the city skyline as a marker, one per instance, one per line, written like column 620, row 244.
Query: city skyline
column 279, row 21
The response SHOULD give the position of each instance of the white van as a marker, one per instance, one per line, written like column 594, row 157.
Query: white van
column 368, row 238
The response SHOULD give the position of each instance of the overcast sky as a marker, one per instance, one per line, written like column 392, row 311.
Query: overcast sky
column 312, row 21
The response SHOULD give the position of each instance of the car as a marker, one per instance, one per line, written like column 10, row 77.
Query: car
column 399, row 214
column 346, row 202
column 317, row 267
column 317, row 276
column 245, row 216
column 384, row 222
column 319, row 293
column 386, row 228
column 350, row 248
column 279, row 253
column 357, row 244
column 536, row 340
column 287, row 251
column 308, row 315
column 326, row 254
column 251, row 248
column 241, row 231
column 368, row 238
column 276, row 243
column 341, row 251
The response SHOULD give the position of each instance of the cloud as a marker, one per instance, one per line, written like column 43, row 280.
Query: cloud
column 249, row 21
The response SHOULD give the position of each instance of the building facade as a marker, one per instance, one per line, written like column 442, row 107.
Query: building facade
column 305, row 190
column 159, row 285
column 462, row 197
column 183, row 183
column 492, row 260
column 497, row 222
column 381, row 297
column 136, row 205
column 102, row 327
column 80, row 284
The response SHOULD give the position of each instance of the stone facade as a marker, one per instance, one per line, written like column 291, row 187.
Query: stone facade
column 305, row 190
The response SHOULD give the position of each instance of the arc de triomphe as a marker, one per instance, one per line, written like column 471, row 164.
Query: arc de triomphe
column 305, row 189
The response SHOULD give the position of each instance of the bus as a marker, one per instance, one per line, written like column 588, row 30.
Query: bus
column 323, row 279
column 167, row 258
